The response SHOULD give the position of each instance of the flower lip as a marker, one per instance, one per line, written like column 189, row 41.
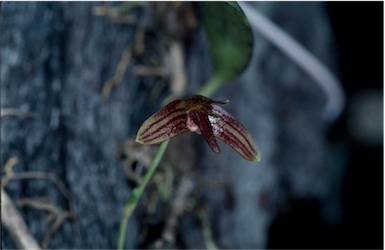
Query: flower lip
column 192, row 126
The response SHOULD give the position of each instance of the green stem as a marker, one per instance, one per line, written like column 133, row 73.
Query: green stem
column 137, row 192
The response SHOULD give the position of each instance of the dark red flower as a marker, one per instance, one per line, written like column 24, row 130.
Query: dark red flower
column 203, row 116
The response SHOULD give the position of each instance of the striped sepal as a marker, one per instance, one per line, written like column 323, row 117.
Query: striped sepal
column 164, row 124
column 233, row 133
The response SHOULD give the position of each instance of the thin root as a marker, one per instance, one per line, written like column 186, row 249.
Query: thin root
column 117, row 78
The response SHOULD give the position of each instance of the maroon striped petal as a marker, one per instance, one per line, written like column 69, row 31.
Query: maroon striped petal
column 201, row 119
column 233, row 133
column 164, row 124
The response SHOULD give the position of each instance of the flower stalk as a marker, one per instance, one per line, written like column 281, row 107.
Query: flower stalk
column 137, row 192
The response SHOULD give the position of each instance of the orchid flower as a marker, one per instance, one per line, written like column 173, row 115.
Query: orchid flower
column 203, row 116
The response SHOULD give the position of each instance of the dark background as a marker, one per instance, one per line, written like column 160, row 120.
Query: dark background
column 358, row 29
column 318, row 185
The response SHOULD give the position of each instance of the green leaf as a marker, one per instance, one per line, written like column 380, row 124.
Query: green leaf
column 231, row 40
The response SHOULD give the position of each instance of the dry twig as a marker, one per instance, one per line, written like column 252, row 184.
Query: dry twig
column 177, row 69
column 114, row 15
column 48, row 207
column 55, row 226
column 37, row 204
column 135, row 153
column 15, row 224
column 15, row 112
column 178, row 204
column 11, row 162
column 42, row 175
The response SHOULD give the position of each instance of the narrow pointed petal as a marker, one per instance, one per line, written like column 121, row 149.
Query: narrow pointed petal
column 164, row 124
column 233, row 133
column 201, row 119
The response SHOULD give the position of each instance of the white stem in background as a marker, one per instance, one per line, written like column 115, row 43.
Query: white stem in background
column 306, row 60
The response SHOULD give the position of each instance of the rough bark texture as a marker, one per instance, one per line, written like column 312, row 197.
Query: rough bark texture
column 55, row 58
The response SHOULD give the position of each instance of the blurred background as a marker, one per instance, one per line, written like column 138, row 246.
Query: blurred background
column 78, row 79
